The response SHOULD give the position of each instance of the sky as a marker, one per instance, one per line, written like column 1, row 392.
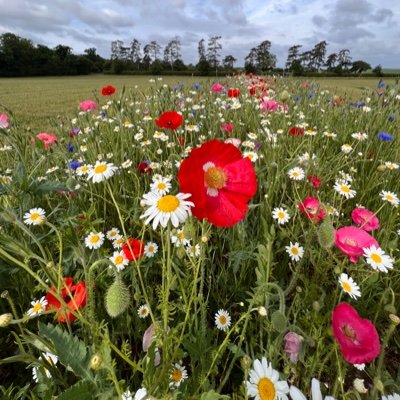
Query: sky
column 368, row 28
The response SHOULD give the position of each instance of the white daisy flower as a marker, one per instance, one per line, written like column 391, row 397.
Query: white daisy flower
column 349, row 286
column 281, row 215
column 161, row 185
column 360, row 136
column 296, row 174
column 141, row 394
column 193, row 250
column 295, row 251
column 222, row 320
column 394, row 396
column 164, row 208
column 143, row 311
column 118, row 242
column 391, row 165
column 83, row 169
column 178, row 375
column 126, row 164
column 119, row 260
column 316, row 394
column 390, row 197
column 101, row 171
column 94, row 240
column 377, row 258
column 263, row 383
column 346, row 148
column 251, row 155
column 112, row 234
column 35, row 216
column 150, row 249
column 38, row 307
column 179, row 239
column 51, row 359
column 344, row 189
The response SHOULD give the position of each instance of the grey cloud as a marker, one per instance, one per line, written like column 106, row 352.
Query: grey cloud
column 319, row 20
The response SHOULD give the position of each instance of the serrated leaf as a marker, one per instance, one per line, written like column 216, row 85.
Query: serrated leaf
column 213, row 395
column 49, row 186
column 279, row 321
column 71, row 351
column 82, row 390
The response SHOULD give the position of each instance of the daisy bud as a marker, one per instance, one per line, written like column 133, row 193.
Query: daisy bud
column 395, row 319
column 5, row 320
column 96, row 361
column 316, row 306
column 262, row 311
column 326, row 234
column 246, row 362
column 117, row 298
column 359, row 385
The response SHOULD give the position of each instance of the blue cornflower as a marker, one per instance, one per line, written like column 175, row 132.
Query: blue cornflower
column 391, row 117
column 297, row 98
column 196, row 86
column 74, row 164
column 386, row 137
column 381, row 84
column 70, row 147
column 310, row 94
column 103, row 114
column 358, row 104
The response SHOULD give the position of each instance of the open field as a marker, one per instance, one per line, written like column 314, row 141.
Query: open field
column 39, row 102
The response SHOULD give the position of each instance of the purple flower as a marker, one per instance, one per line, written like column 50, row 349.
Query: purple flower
column 293, row 345
column 74, row 164
column 386, row 137
column 70, row 148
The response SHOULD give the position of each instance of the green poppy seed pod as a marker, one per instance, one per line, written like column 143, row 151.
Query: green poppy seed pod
column 284, row 95
column 326, row 233
column 117, row 298
column 316, row 306
column 394, row 318
column 5, row 320
column 381, row 168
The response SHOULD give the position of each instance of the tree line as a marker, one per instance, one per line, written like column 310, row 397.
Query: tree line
column 20, row 57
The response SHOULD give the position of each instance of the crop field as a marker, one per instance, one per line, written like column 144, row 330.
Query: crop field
column 199, row 239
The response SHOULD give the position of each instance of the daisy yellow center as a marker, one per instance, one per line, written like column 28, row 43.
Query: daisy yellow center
column 345, row 189
column 161, row 186
column 100, row 169
column 181, row 235
column 266, row 389
column 376, row 258
column 176, row 375
column 37, row 307
column 35, row 216
column 151, row 249
column 143, row 312
column 346, row 287
column 85, row 169
column 295, row 173
column 94, row 239
column 168, row 203
column 281, row 215
column 295, row 251
column 389, row 197
column 215, row 178
column 119, row 259
column 222, row 319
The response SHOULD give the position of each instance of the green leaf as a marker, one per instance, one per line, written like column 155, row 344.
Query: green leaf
column 71, row 351
column 279, row 321
column 49, row 186
column 213, row 395
column 82, row 390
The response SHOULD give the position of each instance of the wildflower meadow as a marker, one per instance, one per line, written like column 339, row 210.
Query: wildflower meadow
column 234, row 239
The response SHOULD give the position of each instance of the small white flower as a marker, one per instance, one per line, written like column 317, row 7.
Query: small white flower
column 179, row 239
column 101, row 171
column 251, row 155
column 178, row 375
column 295, row 251
column 193, row 250
column 150, row 249
column 377, row 258
column 390, row 197
column 119, row 260
column 161, row 185
column 35, row 216
column 346, row 148
column 344, row 189
column 349, row 286
column 112, row 234
column 296, row 174
column 143, row 311
column 94, row 240
column 281, row 215
column 222, row 320
column 38, row 307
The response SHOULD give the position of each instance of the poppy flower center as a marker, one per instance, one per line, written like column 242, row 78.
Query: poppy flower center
column 176, row 375
column 215, row 177
column 349, row 332
column 350, row 242
column 168, row 203
column 266, row 389
column 100, row 169
column 311, row 210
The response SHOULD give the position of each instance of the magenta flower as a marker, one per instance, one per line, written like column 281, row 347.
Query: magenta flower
column 235, row 141
column 312, row 209
column 88, row 105
column 366, row 219
column 226, row 127
column 47, row 138
column 357, row 337
column 269, row 105
column 4, row 121
column 293, row 345
column 217, row 87
column 351, row 241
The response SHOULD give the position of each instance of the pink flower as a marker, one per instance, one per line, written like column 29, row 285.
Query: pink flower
column 366, row 219
column 226, row 127
column 351, row 241
column 269, row 105
column 357, row 337
column 4, row 121
column 311, row 208
column 88, row 105
column 293, row 345
column 148, row 338
column 47, row 138
column 236, row 142
column 217, row 87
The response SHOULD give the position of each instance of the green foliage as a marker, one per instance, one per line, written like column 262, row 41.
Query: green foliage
column 83, row 390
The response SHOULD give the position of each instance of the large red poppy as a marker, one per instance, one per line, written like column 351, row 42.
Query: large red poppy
column 133, row 249
column 296, row 131
column 357, row 337
column 169, row 120
column 233, row 92
column 108, row 90
column 73, row 295
column 220, row 180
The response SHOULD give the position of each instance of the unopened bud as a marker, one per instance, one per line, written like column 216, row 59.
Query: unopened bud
column 245, row 362
column 379, row 385
column 359, row 385
column 5, row 320
column 117, row 298
column 262, row 311
column 381, row 168
column 96, row 361
column 316, row 306
column 326, row 233
column 394, row 318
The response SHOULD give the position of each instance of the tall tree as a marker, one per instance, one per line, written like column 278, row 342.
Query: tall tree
column 172, row 51
column 202, row 50
column 344, row 59
column 293, row 55
column 134, row 54
column 228, row 61
column 213, row 51
column 318, row 55
column 116, row 46
column 266, row 61
column 360, row 66
column 331, row 61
